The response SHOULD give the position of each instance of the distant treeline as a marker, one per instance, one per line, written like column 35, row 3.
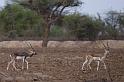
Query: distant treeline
column 19, row 23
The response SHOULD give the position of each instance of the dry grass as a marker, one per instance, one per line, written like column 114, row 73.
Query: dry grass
column 63, row 65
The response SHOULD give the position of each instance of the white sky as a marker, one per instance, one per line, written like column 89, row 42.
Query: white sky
column 93, row 6
column 101, row 6
column 2, row 3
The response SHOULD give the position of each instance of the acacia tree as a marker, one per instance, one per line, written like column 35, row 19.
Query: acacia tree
column 50, row 10
column 112, row 22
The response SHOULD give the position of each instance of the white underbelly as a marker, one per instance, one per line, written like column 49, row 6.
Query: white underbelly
column 20, row 57
column 96, row 58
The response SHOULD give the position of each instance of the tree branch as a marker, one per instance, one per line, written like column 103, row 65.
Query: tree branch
column 52, row 13
column 59, row 15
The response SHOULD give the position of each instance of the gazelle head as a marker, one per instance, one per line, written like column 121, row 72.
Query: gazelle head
column 106, row 48
column 32, row 51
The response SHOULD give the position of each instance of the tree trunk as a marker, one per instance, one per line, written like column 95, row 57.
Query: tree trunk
column 46, row 35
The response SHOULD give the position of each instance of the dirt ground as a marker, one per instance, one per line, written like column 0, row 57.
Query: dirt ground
column 63, row 65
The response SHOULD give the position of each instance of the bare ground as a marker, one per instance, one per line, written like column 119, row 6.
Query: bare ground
column 63, row 65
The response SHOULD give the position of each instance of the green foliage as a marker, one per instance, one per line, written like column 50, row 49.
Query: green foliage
column 121, row 20
column 12, row 34
column 83, row 26
column 56, row 31
column 28, row 19
column 114, row 23
column 47, row 6
column 16, row 17
column 112, row 32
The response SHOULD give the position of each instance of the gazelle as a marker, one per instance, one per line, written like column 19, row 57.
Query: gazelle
column 90, row 58
column 22, row 55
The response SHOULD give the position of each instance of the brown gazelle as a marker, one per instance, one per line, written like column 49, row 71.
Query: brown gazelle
column 90, row 58
column 21, row 55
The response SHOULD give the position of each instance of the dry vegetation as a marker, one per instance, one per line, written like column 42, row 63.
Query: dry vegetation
column 64, row 65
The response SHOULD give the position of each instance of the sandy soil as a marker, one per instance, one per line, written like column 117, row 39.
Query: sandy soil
column 63, row 65
column 62, row 44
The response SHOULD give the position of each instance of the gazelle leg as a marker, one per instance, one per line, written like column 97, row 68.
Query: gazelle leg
column 27, row 63
column 98, row 65
column 104, row 64
column 14, row 65
column 9, row 64
column 23, row 62
column 84, row 64
column 89, row 66
column 90, row 60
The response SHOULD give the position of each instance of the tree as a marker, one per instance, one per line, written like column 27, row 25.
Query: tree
column 15, row 19
column 112, row 22
column 121, row 23
column 50, row 10
column 83, row 26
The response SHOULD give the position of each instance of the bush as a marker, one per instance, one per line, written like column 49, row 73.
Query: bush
column 12, row 34
column 56, row 31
